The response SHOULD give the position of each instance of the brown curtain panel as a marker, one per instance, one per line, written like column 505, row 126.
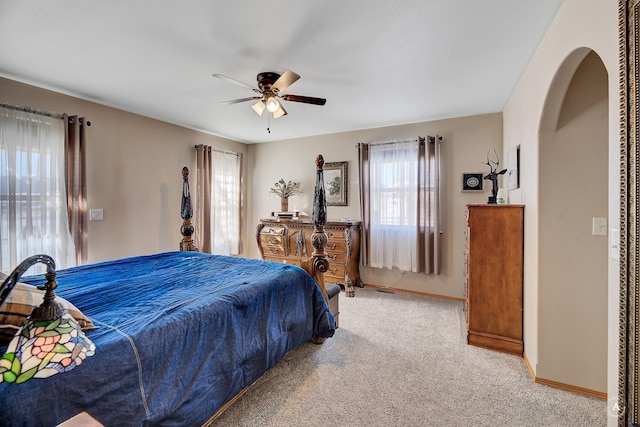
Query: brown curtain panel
column 428, row 224
column 202, row 214
column 76, row 183
column 365, row 206
column 428, row 254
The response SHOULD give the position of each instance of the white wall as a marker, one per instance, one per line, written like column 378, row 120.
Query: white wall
column 580, row 23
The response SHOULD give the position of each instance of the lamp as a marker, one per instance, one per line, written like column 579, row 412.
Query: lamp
column 272, row 104
column 50, row 341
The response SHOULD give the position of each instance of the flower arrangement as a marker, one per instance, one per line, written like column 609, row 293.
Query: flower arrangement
column 286, row 189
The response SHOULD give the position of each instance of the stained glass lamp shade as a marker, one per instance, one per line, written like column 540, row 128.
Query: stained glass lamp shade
column 50, row 341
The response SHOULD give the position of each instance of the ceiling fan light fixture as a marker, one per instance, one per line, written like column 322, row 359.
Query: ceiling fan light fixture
column 270, row 87
column 259, row 107
column 279, row 112
column 272, row 104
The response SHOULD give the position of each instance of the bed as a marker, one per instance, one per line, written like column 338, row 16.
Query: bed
column 179, row 335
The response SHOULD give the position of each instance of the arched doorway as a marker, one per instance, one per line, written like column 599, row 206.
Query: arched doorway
column 573, row 191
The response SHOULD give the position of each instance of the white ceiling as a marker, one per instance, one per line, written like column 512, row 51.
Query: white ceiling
column 377, row 62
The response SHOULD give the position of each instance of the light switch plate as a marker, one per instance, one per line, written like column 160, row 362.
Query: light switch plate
column 599, row 227
column 96, row 215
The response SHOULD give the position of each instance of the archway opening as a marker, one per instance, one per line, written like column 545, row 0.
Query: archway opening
column 573, row 249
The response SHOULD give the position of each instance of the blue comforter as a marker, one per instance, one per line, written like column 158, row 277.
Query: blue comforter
column 179, row 334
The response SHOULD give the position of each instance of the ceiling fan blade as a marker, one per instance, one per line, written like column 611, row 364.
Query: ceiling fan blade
column 284, row 81
column 259, row 107
column 235, row 101
column 279, row 112
column 236, row 82
column 305, row 99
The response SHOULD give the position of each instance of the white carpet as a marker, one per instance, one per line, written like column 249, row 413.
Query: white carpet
column 402, row 360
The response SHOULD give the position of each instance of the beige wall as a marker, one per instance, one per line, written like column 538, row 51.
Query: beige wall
column 580, row 26
column 134, row 173
column 465, row 144
column 573, row 262
column 134, row 169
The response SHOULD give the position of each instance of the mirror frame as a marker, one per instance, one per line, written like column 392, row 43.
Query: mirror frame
column 628, row 22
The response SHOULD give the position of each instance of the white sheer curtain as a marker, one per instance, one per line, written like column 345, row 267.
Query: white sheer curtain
column 399, row 202
column 33, row 199
column 394, row 205
column 225, row 203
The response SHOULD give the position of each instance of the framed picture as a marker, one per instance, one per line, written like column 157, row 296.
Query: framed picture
column 336, row 183
column 513, row 166
column 472, row 181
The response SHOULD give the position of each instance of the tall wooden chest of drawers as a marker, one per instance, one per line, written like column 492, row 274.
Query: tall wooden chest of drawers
column 493, row 276
column 288, row 241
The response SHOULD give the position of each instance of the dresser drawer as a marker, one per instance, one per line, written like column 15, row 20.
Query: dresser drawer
column 270, row 230
column 337, row 235
column 336, row 246
column 336, row 270
column 337, row 257
column 271, row 239
column 273, row 250
column 282, row 260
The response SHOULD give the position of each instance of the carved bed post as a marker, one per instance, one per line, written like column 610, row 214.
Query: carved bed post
column 186, row 212
column 319, row 261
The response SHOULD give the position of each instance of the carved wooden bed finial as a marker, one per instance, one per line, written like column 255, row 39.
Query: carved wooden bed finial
column 186, row 212
column 318, row 263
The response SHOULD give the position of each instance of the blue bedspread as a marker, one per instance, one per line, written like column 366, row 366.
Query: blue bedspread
column 179, row 335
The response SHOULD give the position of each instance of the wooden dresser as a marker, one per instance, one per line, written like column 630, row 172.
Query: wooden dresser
column 493, row 276
column 288, row 241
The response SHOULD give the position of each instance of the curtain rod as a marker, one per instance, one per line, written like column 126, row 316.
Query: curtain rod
column 431, row 139
column 197, row 147
column 33, row 111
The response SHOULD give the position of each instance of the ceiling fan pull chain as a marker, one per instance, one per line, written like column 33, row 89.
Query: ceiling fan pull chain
column 268, row 123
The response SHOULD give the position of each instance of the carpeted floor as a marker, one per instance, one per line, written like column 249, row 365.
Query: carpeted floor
column 402, row 360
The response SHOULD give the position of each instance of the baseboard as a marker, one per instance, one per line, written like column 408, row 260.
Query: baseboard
column 562, row 386
column 406, row 291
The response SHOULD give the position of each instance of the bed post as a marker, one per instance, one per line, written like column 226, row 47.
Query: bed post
column 318, row 263
column 186, row 212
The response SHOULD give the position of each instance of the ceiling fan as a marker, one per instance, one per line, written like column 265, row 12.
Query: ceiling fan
column 270, row 87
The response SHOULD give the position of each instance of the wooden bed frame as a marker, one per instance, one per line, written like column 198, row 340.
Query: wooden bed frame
column 316, row 265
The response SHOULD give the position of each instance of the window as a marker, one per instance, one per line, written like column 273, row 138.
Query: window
column 399, row 201
column 225, row 203
column 33, row 200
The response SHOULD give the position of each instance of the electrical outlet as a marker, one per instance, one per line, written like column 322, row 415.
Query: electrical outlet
column 599, row 227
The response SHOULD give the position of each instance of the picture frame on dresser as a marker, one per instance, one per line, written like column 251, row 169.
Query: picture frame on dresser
column 336, row 183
